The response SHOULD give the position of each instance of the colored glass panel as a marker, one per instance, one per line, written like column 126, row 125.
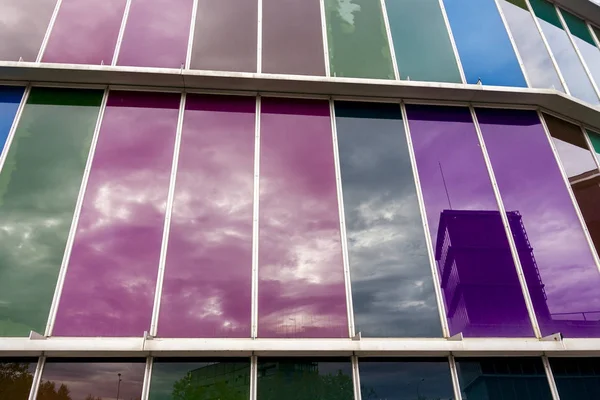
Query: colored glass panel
column 110, row 281
column 292, row 40
column 99, row 379
column 301, row 290
column 576, row 378
column 584, row 42
column 200, row 379
column 23, row 24
column 479, row 281
column 405, row 379
column 566, row 57
column 39, row 186
column 225, row 35
column 595, row 139
column 16, row 377
column 85, row 32
column 357, row 38
column 536, row 59
column 562, row 277
column 487, row 56
column 503, row 378
column 392, row 286
column 421, row 41
column 156, row 34
column 10, row 98
column 207, row 283
column 304, row 379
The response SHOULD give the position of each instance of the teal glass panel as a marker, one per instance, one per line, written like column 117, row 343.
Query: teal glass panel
column 357, row 38
column 39, row 186
column 577, row 378
column 421, row 41
column 595, row 139
column 584, row 42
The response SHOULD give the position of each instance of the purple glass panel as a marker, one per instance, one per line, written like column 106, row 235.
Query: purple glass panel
column 478, row 277
column 110, row 282
column 208, row 275
column 156, row 34
column 85, row 32
column 564, row 282
column 301, row 289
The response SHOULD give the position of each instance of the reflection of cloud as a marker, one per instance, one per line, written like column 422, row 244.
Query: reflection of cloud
column 346, row 10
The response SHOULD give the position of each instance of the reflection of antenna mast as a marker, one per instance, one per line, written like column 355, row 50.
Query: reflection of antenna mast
column 445, row 187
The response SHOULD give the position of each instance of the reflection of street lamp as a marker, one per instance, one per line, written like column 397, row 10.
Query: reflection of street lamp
column 119, row 385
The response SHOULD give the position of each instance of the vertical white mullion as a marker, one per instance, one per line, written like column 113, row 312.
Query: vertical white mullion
column 388, row 30
column 512, row 41
column 147, row 378
column 452, row 42
column 342, row 217
column 253, row 377
column 167, row 223
column 37, row 377
column 455, row 378
column 78, row 205
column 325, row 40
column 259, row 38
column 550, row 377
column 428, row 242
column 356, row 377
column 588, row 141
column 121, row 33
column 508, row 230
column 48, row 31
column 548, row 48
column 593, row 34
column 13, row 127
column 255, row 220
column 188, row 57
column 586, row 231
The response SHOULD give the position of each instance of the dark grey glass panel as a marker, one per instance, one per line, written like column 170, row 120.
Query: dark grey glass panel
column 577, row 378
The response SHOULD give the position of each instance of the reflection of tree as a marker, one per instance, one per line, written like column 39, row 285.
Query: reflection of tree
column 48, row 391
column 187, row 389
column 306, row 385
column 15, row 381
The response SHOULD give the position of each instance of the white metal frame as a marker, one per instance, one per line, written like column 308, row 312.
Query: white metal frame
column 44, row 44
column 13, row 128
column 188, row 56
column 452, row 42
column 121, row 33
column 550, row 377
column 390, row 39
column 259, row 35
column 255, row 221
column 325, row 38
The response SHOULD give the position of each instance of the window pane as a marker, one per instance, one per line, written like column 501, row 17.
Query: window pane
column 207, row 284
column 421, row 41
column 503, row 378
column 564, row 52
column 535, row 56
column 23, row 31
column 489, row 54
column 110, row 281
column 577, row 378
column 292, row 41
column 16, row 376
column 561, row 274
column 98, row 379
column 85, row 32
column 392, row 286
column 301, row 291
column 405, row 379
column 225, row 35
column 39, row 185
column 358, row 45
column 584, row 42
column 479, row 280
column 157, row 33
column 200, row 379
column 305, row 379
column 10, row 98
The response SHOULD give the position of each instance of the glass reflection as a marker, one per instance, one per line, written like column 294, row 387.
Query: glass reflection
column 200, row 379
column 537, row 61
column 301, row 291
column 157, row 33
column 23, row 24
column 392, row 286
column 405, row 379
column 487, row 56
column 16, row 377
column 225, row 35
column 585, row 43
column 92, row 379
column 85, row 32
column 577, row 378
column 304, row 379
column 480, row 285
column 358, row 45
column 39, row 185
column 110, row 281
column 503, row 378
column 571, row 68
column 10, row 98
column 563, row 278
column 207, row 281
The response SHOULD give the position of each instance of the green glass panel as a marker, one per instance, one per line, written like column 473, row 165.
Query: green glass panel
column 39, row 185
column 596, row 32
column 546, row 11
column 519, row 3
column 578, row 27
column 595, row 139
column 421, row 41
column 358, row 45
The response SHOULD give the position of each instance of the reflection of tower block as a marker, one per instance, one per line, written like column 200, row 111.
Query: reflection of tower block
column 478, row 276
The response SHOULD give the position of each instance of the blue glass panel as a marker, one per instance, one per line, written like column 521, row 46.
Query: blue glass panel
column 483, row 44
column 10, row 97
